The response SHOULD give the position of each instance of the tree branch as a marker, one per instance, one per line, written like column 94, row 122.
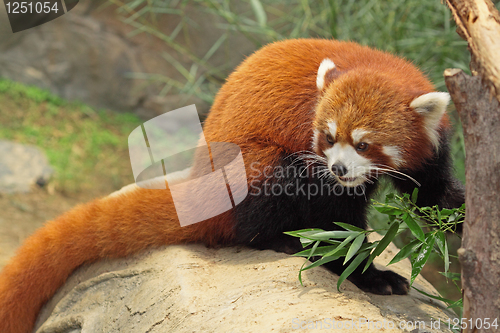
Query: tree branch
column 478, row 23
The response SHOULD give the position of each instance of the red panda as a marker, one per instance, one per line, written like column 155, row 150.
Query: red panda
column 342, row 113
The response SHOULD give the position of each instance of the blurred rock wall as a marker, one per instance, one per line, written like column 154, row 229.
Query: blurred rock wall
column 88, row 55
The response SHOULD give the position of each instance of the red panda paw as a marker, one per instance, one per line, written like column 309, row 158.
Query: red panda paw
column 382, row 282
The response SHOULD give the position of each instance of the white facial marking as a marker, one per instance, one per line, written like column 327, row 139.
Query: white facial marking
column 432, row 107
column 357, row 165
column 315, row 138
column 332, row 126
column 358, row 134
column 324, row 67
column 394, row 153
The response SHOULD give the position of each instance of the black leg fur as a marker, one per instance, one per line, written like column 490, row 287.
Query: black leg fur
column 309, row 203
column 438, row 184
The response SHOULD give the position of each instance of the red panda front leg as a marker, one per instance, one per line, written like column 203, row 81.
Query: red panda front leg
column 286, row 195
column 438, row 185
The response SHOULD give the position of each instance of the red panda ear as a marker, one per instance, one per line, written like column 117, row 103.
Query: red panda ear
column 432, row 106
column 327, row 72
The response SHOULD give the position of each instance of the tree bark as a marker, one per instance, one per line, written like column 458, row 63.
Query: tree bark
column 476, row 99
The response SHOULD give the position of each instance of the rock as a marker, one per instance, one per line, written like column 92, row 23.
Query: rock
column 22, row 166
column 194, row 289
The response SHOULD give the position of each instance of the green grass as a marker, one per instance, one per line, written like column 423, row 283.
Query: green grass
column 420, row 30
column 86, row 147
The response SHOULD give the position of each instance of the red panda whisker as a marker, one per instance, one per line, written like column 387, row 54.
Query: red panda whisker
column 301, row 152
column 325, row 174
column 307, row 167
column 397, row 172
column 386, row 173
column 307, row 157
column 314, row 157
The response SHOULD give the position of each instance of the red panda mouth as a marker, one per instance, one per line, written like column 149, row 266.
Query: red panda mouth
column 347, row 179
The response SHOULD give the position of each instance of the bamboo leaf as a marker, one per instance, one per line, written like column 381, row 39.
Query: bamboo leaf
column 447, row 301
column 349, row 227
column 355, row 246
column 415, row 229
column 298, row 232
column 352, row 266
column 320, row 251
column 383, row 243
column 389, row 210
column 341, row 246
column 452, row 276
column 406, row 251
column 321, row 261
column 443, row 248
column 414, row 195
column 423, row 255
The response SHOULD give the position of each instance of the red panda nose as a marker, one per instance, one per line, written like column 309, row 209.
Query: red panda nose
column 339, row 169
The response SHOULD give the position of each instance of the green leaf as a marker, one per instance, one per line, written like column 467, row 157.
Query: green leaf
column 414, row 195
column 446, row 212
column 367, row 246
column 320, row 251
column 355, row 246
column 443, row 248
column 458, row 304
column 452, row 276
column 298, row 232
column 259, row 12
column 387, row 239
column 306, row 242
column 352, row 266
column 350, row 227
column 452, row 217
column 406, row 251
column 313, row 249
column 389, row 210
column 383, row 243
column 325, row 235
column 423, row 255
column 415, row 229
column 447, row 301
column 341, row 246
column 321, row 261
column 440, row 240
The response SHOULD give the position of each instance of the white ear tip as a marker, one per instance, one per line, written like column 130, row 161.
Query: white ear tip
column 324, row 67
column 432, row 107
column 431, row 101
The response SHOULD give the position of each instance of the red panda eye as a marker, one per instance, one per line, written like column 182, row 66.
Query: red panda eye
column 329, row 139
column 362, row 146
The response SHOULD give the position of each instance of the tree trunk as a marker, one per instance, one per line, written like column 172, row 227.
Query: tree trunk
column 477, row 101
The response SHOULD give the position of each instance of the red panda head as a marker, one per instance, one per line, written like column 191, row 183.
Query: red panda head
column 368, row 123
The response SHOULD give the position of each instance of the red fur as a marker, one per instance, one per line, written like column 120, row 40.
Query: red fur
column 267, row 107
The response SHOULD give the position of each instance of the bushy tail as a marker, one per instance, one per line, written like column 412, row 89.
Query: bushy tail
column 109, row 227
